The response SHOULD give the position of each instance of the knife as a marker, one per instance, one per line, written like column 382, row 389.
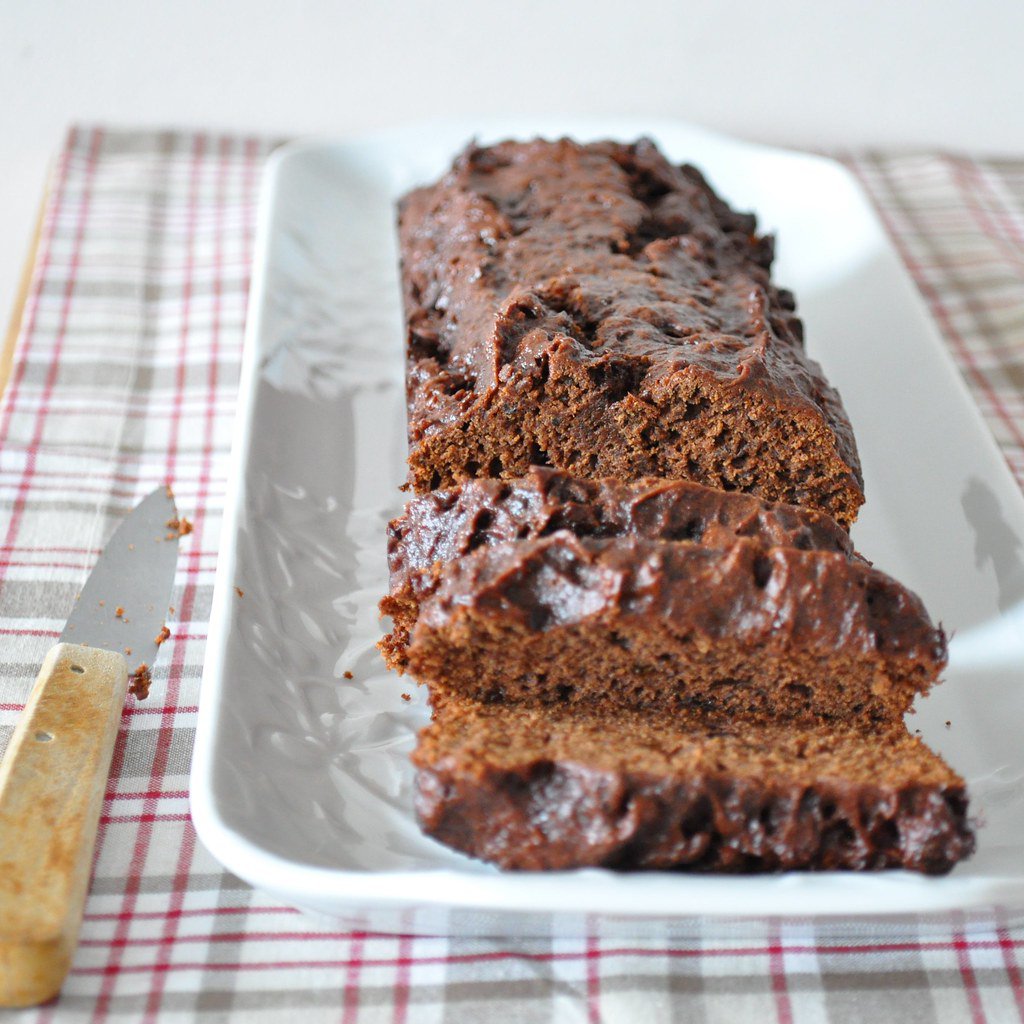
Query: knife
column 53, row 775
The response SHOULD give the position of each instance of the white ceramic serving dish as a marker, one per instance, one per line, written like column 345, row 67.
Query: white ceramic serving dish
column 301, row 783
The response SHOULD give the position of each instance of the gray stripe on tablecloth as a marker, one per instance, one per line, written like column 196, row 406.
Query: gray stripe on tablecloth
column 853, row 996
column 149, row 292
column 133, row 429
column 209, row 1004
column 687, row 986
column 219, row 989
column 232, row 322
column 27, row 671
column 141, row 745
column 142, row 142
column 109, row 374
column 472, row 1001
column 39, row 599
column 116, row 508
column 200, row 881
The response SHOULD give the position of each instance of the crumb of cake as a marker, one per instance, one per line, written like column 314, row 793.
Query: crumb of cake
column 407, row 697
column 170, row 609
column 119, row 612
column 102, row 603
column 949, row 725
column 169, row 492
column 131, row 547
column 347, row 675
column 181, row 526
column 140, row 681
column 163, row 635
column 127, row 651
column 239, row 591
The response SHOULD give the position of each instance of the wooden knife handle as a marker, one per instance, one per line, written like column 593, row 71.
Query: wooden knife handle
column 52, row 780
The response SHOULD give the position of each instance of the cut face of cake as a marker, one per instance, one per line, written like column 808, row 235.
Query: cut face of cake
column 596, row 309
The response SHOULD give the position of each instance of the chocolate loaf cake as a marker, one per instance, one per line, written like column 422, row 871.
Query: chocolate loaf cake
column 557, row 789
column 596, row 309
column 626, row 576
column 446, row 525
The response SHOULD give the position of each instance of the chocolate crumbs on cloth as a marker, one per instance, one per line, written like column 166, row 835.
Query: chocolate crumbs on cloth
column 140, row 681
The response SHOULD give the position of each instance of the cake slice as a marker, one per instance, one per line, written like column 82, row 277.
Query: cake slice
column 597, row 309
column 631, row 622
column 446, row 525
column 557, row 789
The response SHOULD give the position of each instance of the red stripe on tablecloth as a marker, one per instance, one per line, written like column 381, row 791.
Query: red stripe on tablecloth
column 405, row 959
column 350, row 993
column 931, row 293
column 963, row 963
column 777, row 973
column 1013, row 973
column 144, row 818
column 130, row 709
column 159, row 915
column 593, row 953
column 84, row 565
column 60, row 336
column 133, row 882
column 54, row 633
column 152, row 794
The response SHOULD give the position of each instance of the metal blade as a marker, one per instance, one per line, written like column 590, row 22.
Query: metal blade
column 133, row 577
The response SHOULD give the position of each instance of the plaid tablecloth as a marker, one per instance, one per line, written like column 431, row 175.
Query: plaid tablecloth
column 125, row 376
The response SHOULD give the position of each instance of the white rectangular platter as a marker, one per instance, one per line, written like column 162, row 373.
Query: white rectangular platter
column 301, row 783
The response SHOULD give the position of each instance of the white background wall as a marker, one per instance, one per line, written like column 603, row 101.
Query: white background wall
column 829, row 73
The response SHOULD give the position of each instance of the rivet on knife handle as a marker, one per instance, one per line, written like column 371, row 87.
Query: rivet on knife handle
column 52, row 781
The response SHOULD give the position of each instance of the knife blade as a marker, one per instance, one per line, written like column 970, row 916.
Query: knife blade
column 54, row 772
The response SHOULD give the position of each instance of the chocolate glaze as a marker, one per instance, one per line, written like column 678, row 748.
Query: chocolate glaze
column 445, row 525
column 549, row 795
column 603, row 262
column 777, row 599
